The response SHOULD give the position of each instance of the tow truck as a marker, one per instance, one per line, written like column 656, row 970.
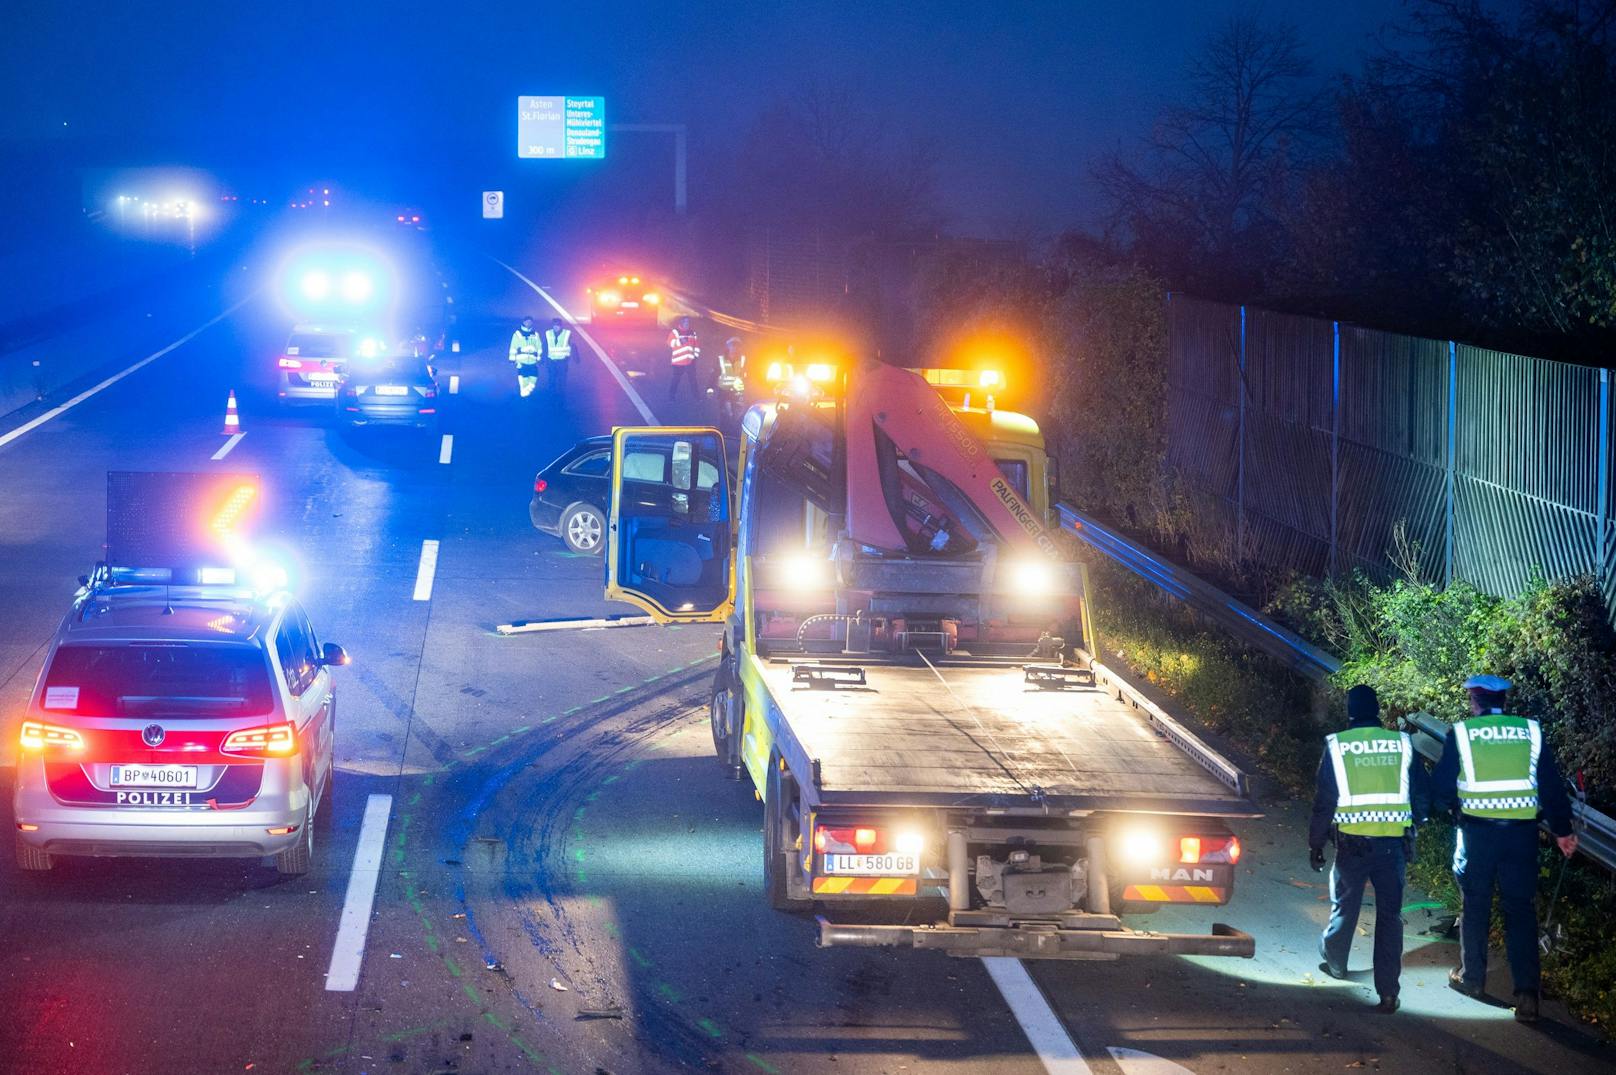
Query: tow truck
column 907, row 676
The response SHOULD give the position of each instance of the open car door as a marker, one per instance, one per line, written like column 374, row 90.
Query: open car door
column 668, row 538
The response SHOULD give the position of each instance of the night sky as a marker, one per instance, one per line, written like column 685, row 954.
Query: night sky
column 1017, row 97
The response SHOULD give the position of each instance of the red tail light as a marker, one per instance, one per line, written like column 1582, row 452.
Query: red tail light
column 270, row 739
column 290, row 363
column 37, row 735
column 1208, row 849
column 540, row 485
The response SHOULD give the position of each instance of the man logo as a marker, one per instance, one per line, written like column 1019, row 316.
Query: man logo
column 1181, row 874
column 153, row 735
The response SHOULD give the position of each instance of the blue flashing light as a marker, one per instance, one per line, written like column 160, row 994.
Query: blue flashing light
column 316, row 285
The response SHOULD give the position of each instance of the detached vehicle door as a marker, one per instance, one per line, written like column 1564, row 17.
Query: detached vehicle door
column 669, row 535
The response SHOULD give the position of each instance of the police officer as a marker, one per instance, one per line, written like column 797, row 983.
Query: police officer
column 1499, row 771
column 1369, row 793
column 683, row 350
column 526, row 347
column 557, row 355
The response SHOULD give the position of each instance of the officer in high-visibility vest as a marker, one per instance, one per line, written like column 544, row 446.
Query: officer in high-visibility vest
column 1498, row 770
column 683, row 350
column 526, row 348
column 557, row 355
column 1369, row 793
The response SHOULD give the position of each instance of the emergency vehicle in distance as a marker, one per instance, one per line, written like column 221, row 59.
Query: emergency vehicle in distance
column 624, row 297
column 186, row 707
column 906, row 675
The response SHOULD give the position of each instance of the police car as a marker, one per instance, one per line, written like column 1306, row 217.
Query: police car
column 178, row 713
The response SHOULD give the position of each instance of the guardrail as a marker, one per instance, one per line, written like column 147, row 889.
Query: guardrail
column 1233, row 615
column 1596, row 831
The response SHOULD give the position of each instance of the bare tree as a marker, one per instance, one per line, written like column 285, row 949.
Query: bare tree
column 1216, row 168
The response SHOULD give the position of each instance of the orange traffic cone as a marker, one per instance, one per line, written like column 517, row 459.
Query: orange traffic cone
column 232, row 420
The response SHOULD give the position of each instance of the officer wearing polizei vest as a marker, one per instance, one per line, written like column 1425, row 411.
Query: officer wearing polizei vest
column 557, row 355
column 1370, row 791
column 526, row 347
column 1500, row 774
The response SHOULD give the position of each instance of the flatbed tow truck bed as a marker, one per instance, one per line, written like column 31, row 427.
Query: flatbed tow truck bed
column 974, row 734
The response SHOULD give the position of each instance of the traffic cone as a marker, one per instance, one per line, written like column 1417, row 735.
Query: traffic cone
column 232, row 420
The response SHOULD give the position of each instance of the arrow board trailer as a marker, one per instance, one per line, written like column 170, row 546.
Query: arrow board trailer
column 906, row 679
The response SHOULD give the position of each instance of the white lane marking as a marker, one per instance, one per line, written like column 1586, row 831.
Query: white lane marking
column 428, row 568
column 454, row 384
column 235, row 439
column 34, row 423
column 1134, row 1062
column 349, row 950
column 1048, row 1038
column 600, row 352
column 446, row 449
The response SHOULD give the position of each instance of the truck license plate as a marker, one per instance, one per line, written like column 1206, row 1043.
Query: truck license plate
column 890, row 865
column 154, row 776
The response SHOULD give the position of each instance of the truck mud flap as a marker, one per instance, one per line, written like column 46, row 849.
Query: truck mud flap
column 1037, row 943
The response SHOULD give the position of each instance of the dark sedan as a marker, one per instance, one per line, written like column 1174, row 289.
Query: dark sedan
column 396, row 391
column 572, row 495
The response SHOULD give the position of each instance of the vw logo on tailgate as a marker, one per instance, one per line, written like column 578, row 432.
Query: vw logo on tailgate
column 153, row 735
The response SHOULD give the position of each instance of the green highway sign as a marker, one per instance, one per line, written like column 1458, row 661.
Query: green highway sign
column 561, row 128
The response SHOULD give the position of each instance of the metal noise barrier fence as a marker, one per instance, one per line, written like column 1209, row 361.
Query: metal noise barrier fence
column 1596, row 831
column 1312, row 444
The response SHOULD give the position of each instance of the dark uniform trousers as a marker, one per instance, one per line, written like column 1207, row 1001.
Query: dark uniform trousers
column 1502, row 853
column 1378, row 861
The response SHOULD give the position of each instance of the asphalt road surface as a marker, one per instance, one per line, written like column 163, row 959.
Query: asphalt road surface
column 565, row 879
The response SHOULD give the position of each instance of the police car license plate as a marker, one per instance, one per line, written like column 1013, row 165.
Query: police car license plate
column 324, row 378
column 391, row 390
column 154, row 776
column 890, row 865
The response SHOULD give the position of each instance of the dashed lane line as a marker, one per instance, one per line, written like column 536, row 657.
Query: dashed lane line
column 34, row 423
column 454, row 384
column 634, row 396
column 446, row 448
column 1048, row 1038
column 425, row 572
column 348, row 953
column 235, row 439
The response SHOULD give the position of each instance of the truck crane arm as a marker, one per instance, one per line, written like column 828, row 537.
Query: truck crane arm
column 900, row 430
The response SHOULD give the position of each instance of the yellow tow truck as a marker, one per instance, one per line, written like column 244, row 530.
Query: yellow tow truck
column 906, row 676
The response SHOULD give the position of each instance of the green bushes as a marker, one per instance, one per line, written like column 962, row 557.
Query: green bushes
column 1415, row 643
column 1240, row 693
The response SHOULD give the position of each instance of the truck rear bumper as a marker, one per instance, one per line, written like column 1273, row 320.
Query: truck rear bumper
column 1040, row 943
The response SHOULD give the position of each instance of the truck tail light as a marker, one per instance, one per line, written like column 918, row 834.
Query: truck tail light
column 1193, row 850
column 852, row 840
column 290, row 363
column 540, row 485
column 37, row 735
column 270, row 739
